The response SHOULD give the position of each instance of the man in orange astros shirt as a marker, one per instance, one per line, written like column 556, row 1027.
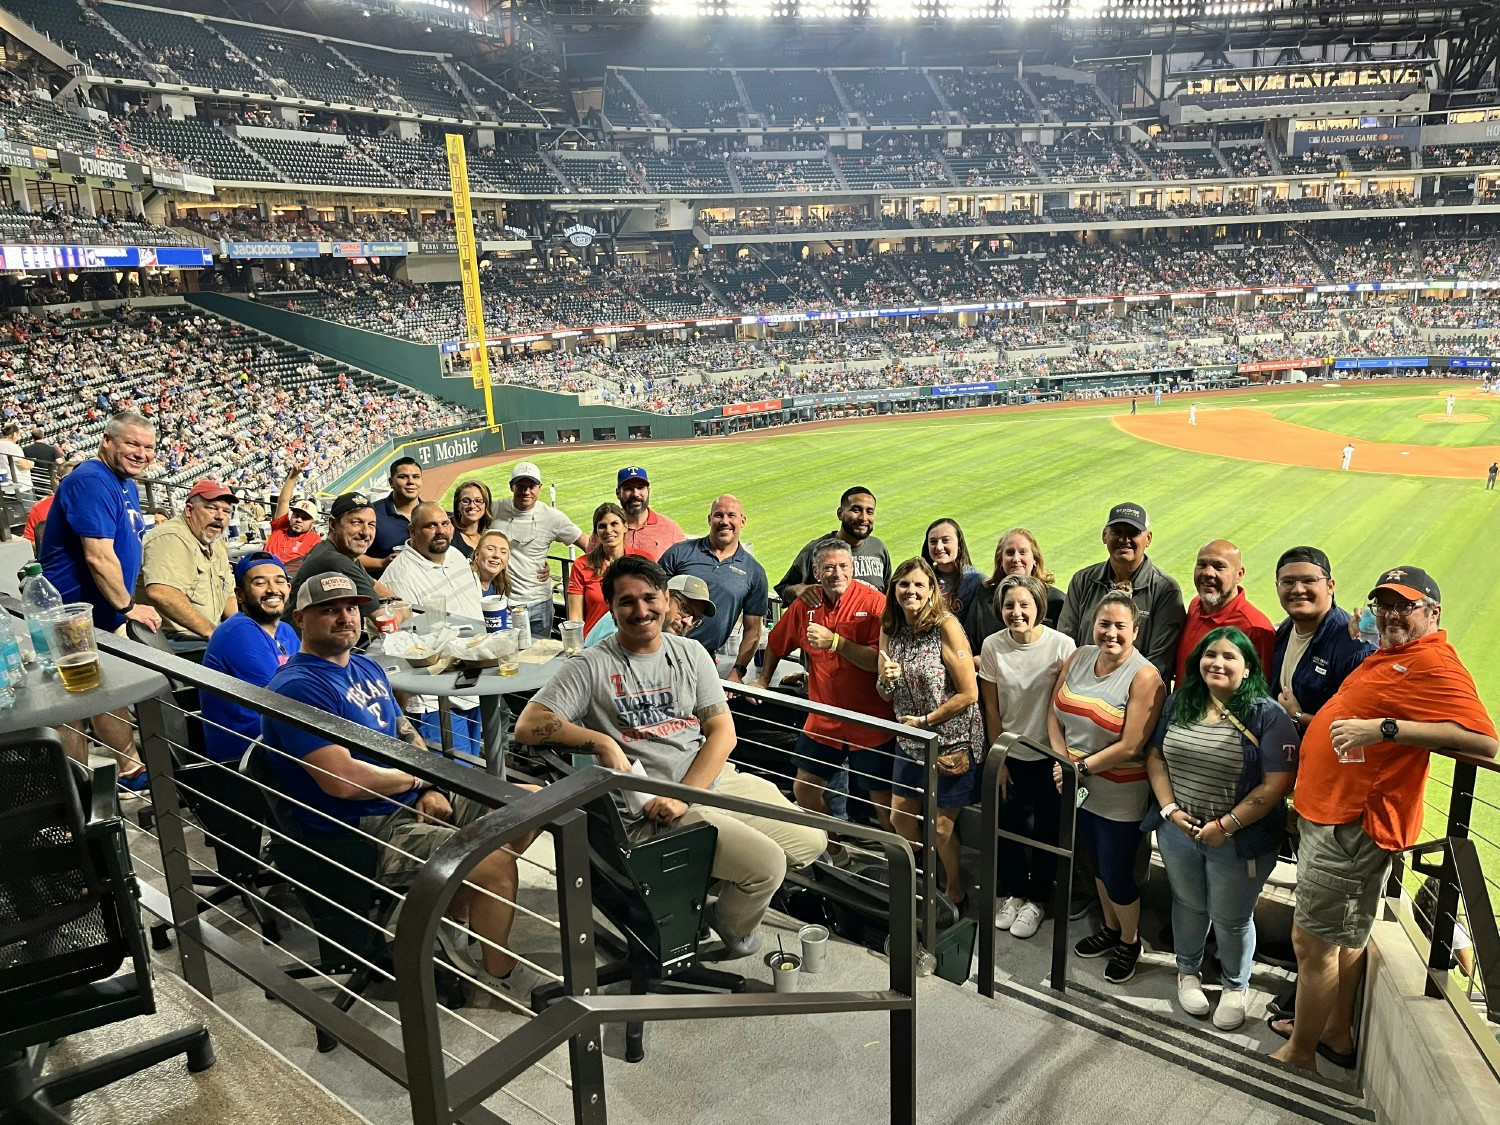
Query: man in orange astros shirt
column 1362, row 772
column 840, row 639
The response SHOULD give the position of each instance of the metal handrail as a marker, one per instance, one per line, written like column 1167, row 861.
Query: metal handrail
column 438, row 1096
column 992, row 834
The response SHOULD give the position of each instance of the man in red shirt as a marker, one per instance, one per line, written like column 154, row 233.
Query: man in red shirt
column 1361, row 776
column 36, row 517
column 647, row 532
column 1221, row 601
column 293, row 524
column 840, row 640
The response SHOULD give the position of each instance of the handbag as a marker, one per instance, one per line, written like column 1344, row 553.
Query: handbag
column 954, row 763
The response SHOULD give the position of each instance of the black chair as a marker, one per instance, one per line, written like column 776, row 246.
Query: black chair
column 68, row 921
column 653, row 893
column 333, row 876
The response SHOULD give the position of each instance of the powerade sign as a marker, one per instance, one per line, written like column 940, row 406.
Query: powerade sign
column 369, row 249
column 1382, row 363
column 271, row 249
column 101, row 167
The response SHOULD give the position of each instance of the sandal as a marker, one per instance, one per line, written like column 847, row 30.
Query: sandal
column 1346, row 1060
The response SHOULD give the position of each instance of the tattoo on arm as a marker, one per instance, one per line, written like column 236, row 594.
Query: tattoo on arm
column 713, row 711
column 546, row 728
column 1253, row 800
column 408, row 733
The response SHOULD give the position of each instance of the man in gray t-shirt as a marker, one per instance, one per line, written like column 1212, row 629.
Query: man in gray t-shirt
column 872, row 562
column 642, row 696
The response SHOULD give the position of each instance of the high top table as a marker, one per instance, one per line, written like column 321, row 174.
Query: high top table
column 42, row 701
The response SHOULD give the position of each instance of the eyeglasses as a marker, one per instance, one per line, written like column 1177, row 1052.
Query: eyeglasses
column 1293, row 583
column 471, row 501
column 1397, row 609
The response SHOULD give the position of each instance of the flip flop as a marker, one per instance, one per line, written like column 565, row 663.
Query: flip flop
column 1337, row 1058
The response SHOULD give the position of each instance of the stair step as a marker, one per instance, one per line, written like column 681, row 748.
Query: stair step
column 1310, row 1096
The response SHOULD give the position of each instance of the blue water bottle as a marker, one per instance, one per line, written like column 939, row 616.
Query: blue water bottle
column 1369, row 632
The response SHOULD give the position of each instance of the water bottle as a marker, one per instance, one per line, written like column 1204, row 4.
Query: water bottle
column 1369, row 632
column 39, row 596
column 10, row 657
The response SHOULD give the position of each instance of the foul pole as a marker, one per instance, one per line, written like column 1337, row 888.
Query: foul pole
column 468, row 271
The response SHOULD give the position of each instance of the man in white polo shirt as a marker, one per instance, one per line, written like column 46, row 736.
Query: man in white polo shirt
column 532, row 528
column 426, row 566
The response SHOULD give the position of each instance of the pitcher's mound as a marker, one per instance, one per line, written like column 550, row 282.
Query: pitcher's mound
column 1453, row 418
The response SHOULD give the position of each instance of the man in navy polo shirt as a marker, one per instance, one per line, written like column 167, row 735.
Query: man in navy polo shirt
column 393, row 514
column 736, row 581
column 251, row 646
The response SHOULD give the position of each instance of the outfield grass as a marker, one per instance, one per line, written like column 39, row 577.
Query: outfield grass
column 1059, row 471
column 1397, row 420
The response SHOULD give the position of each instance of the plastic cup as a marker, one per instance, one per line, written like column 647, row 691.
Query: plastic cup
column 814, row 947
column 384, row 619
column 572, row 637
column 435, row 610
column 70, row 639
column 784, row 967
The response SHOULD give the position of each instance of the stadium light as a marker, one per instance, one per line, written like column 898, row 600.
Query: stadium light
column 1154, row 10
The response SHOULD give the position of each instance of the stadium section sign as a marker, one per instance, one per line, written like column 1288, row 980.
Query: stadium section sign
column 101, row 167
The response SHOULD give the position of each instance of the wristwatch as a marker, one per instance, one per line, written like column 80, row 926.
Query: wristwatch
column 1083, row 768
column 1389, row 730
column 742, row 669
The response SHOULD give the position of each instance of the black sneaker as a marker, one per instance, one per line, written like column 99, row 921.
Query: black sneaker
column 1097, row 945
column 1080, row 905
column 1121, row 966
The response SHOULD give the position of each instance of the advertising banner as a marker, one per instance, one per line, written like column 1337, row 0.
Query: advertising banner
column 762, row 407
column 271, row 249
column 102, row 167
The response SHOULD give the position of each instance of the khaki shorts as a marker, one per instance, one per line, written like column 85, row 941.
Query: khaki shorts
column 413, row 841
column 1341, row 874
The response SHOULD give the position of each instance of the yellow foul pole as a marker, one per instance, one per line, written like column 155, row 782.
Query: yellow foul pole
column 468, row 270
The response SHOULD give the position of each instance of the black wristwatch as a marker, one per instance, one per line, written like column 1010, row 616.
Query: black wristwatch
column 742, row 669
column 1083, row 768
column 1388, row 730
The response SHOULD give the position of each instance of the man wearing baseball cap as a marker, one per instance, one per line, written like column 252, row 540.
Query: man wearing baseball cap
column 251, row 646
column 351, row 529
column 185, row 566
column 688, row 602
column 1360, row 781
column 1314, row 652
column 1127, row 534
column 294, row 523
column 647, row 532
column 532, row 528
column 336, row 788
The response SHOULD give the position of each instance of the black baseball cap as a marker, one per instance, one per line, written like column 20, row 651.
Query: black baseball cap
column 349, row 502
column 1409, row 581
column 1133, row 514
column 1305, row 555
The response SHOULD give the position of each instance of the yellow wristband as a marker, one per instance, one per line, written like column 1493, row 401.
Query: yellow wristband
column 835, row 646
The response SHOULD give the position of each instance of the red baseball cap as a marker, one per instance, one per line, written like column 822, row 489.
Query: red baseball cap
column 211, row 490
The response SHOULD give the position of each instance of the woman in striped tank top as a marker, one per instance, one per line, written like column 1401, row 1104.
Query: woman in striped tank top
column 1106, row 703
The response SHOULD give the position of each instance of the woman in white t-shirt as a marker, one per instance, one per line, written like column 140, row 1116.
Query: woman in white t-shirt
column 1018, row 667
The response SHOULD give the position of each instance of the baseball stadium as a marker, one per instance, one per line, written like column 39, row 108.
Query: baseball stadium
column 631, row 560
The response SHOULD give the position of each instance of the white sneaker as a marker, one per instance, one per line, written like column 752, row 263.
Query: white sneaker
column 1028, row 920
column 515, row 988
column 1191, row 996
column 1231, row 1010
column 458, row 943
column 1005, row 913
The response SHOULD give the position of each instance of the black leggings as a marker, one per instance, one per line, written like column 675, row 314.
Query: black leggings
column 1112, row 845
column 1033, row 810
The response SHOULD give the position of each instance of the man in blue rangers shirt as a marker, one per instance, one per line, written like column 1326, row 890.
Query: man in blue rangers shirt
column 251, row 646
column 337, row 787
column 91, row 551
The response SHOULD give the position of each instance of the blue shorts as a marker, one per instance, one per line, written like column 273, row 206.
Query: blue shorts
column 869, row 769
column 953, row 792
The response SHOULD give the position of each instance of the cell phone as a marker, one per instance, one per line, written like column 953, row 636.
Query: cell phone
column 467, row 678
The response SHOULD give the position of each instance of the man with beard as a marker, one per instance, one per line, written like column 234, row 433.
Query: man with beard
column 1361, row 776
column 427, row 566
column 393, row 514
column 736, row 582
column 1221, row 601
column 655, row 698
column 185, row 569
column 872, row 562
column 647, row 532
column 1127, row 534
column 351, row 530
column 1314, row 652
column 250, row 646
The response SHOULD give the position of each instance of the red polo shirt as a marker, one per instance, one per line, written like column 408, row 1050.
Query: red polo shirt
column 653, row 537
column 1422, row 681
column 1237, row 611
column 290, row 548
column 831, row 678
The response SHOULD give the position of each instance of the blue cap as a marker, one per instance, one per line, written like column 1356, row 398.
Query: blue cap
column 635, row 472
column 253, row 560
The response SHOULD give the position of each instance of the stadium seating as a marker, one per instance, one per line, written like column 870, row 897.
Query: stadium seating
column 784, row 174
column 892, row 163
column 421, row 81
column 1086, row 158
column 517, row 168
column 201, row 145
column 308, row 67
column 986, row 97
column 792, row 98
column 1460, row 156
column 891, row 97
column 1198, row 163
column 191, row 48
column 418, row 164
column 690, row 99
column 598, row 173
column 682, row 172
column 621, row 106
column 1063, row 99
column 81, row 32
column 312, row 162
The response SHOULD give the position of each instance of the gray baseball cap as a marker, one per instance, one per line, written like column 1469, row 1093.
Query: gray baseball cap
column 330, row 587
column 691, row 586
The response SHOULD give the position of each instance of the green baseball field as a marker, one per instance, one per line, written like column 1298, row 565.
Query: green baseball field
column 1260, row 468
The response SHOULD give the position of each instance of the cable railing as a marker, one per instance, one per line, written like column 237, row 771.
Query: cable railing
column 329, row 914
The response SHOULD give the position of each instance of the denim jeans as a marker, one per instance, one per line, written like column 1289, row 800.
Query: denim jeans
column 540, row 614
column 1213, row 885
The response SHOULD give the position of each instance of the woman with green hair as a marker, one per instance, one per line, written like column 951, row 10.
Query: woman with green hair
column 1221, row 762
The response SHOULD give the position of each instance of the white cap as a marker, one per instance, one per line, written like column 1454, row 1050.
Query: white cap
column 527, row 470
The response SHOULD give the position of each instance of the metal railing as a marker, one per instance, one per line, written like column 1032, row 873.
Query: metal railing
column 443, row 1084
column 989, row 848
